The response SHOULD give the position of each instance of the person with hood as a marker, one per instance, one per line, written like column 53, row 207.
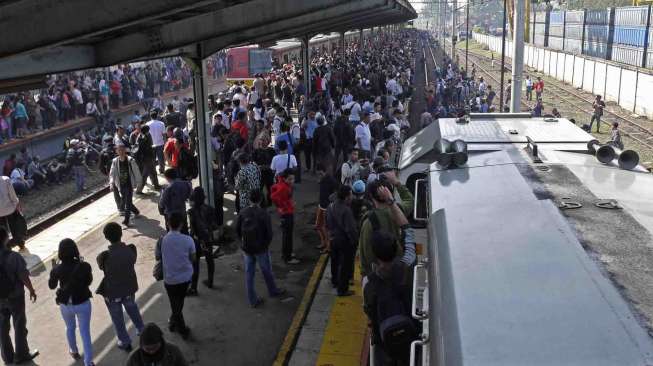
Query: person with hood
column 155, row 351
column 202, row 225
column 282, row 198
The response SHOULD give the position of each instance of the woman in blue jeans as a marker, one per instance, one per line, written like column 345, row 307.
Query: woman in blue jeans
column 73, row 277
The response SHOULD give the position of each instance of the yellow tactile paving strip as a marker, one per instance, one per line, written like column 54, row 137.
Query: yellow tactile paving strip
column 345, row 335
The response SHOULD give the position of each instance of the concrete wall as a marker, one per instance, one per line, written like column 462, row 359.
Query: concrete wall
column 627, row 86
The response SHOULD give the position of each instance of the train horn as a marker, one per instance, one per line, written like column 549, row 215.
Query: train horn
column 459, row 150
column 604, row 153
column 628, row 159
column 441, row 148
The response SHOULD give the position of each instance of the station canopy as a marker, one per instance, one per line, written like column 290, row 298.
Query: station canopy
column 50, row 36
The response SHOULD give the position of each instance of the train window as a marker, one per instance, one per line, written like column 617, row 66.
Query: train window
column 418, row 185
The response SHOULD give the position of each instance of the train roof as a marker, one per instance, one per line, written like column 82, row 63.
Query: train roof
column 521, row 279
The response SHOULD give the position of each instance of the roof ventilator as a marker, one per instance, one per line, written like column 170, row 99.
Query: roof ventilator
column 608, row 204
column 566, row 203
column 450, row 153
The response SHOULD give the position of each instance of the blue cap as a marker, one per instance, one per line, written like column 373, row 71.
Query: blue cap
column 358, row 187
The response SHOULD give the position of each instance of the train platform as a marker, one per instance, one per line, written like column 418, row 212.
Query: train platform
column 222, row 323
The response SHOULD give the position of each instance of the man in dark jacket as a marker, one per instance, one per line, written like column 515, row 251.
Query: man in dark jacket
column 154, row 350
column 145, row 159
column 173, row 198
column 119, row 285
column 344, row 237
column 344, row 135
column 254, row 227
column 12, row 307
column 323, row 143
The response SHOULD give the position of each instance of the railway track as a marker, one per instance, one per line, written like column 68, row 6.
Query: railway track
column 573, row 98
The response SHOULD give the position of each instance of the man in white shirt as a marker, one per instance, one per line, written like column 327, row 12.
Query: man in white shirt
column 158, row 130
column 346, row 97
column 21, row 185
column 354, row 111
column 283, row 160
column 392, row 86
column 364, row 137
column 349, row 171
column 8, row 199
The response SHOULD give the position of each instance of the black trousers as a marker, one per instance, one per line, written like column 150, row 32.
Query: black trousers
column 177, row 296
column 12, row 311
column 148, row 170
column 210, row 265
column 342, row 264
column 287, row 225
column 308, row 153
column 126, row 201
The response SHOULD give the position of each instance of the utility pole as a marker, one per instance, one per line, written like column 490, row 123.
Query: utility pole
column 454, row 13
column 503, row 54
column 517, row 55
column 467, row 38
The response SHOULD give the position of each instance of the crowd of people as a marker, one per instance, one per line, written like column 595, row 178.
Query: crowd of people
column 265, row 137
column 95, row 93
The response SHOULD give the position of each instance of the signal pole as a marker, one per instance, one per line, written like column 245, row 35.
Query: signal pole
column 517, row 56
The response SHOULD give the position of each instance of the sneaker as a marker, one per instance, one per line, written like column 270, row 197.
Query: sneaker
column 192, row 292
column 30, row 356
column 75, row 355
column 185, row 333
column 207, row 283
column 280, row 291
column 125, row 347
column 258, row 303
column 293, row 261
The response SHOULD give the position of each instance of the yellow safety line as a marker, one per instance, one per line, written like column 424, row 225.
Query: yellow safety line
column 300, row 315
column 345, row 334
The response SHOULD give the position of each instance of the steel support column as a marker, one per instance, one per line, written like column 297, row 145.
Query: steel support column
column 361, row 40
column 203, row 127
column 306, row 62
column 343, row 51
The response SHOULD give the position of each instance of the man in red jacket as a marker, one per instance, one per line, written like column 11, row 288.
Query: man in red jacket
column 282, row 198
column 241, row 125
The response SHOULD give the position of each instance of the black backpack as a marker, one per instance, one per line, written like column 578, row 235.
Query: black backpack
column 249, row 229
column 188, row 164
column 6, row 284
column 397, row 329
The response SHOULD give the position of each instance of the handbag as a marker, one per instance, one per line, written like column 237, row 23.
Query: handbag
column 157, row 271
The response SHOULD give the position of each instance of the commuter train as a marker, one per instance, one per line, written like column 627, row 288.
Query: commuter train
column 620, row 34
column 245, row 62
column 536, row 246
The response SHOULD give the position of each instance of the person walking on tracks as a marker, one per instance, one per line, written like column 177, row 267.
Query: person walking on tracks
column 598, row 107
column 119, row 285
column 125, row 176
column 14, row 277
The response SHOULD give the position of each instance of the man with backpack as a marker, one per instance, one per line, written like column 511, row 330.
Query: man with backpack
column 253, row 226
column 343, row 233
column 14, row 277
column 349, row 172
column 387, row 302
column 387, row 214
